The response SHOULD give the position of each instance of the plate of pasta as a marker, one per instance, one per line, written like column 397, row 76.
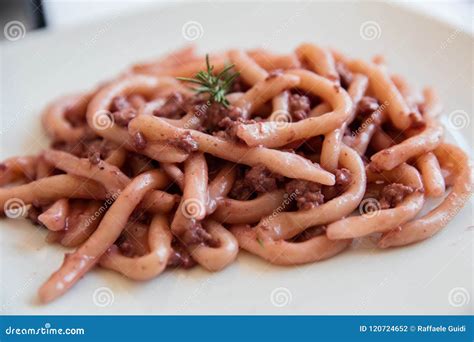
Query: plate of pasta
column 266, row 173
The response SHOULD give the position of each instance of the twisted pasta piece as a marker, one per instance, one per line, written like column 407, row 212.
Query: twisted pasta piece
column 386, row 92
column 430, row 170
column 264, row 91
column 195, row 196
column 427, row 140
column 288, row 224
column 216, row 258
column 286, row 253
column 85, row 257
column 104, row 126
column 288, row 164
column 149, row 265
column 274, row 134
column 18, row 168
column 270, row 61
column 333, row 141
column 55, row 121
column 53, row 188
column 319, row 59
column 220, row 187
column 55, row 217
column 249, row 70
column 451, row 157
column 387, row 219
column 234, row 211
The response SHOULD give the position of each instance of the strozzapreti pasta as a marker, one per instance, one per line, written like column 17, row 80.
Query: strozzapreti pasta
column 184, row 160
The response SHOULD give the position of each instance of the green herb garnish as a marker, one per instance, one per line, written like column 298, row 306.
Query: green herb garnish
column 260, row 242
column 217, row 86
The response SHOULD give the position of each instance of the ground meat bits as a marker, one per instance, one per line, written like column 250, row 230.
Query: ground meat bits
column 139, row 141
column 299, row 106
column 392, row 194
column 94, row 157
column 257, row 179
column 196, row 234
column 122, row 111
column 217, row 116
column 124, row 116
column 261, row 179
column 87, row 148
column 240, row 190
column 186, row 143
column 174, row 107
column 343, row 179
column 366, row 106
column 119, row 103
column 307, row 194
column 180, row 257
column 127, row 249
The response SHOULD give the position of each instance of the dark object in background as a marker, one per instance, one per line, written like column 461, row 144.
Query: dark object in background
column 28, row 12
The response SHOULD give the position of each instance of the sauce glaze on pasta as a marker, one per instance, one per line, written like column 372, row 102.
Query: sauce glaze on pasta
column 315, row 149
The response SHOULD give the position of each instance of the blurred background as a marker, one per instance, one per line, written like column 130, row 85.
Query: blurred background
column 59, row 14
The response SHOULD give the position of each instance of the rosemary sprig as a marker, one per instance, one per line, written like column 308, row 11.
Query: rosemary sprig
column 217, row 86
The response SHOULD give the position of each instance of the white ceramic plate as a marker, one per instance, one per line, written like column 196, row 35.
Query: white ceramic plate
column 433, row 277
